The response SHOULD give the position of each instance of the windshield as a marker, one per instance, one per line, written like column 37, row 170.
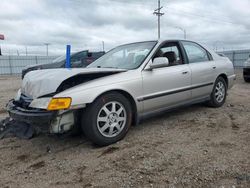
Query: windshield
column 128, row 56
column 61, row 58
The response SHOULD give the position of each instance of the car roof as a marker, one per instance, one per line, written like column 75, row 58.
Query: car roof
column 159, row 40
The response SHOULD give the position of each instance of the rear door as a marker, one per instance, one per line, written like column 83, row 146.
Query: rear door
column 167, row 86
column 202, row 69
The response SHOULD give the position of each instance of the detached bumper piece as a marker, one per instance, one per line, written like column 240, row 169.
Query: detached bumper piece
column 10, row 127
column 40, row 119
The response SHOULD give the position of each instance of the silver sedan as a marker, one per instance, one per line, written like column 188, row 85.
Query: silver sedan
column 127, row 84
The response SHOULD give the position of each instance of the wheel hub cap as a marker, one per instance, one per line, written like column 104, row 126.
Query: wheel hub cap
column 220, row 92
column 111, row 119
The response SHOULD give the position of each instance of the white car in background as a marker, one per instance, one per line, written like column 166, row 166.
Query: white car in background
column 124, row 86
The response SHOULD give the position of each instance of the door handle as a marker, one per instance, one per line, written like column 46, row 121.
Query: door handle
column 185, row 72
column 214, row 67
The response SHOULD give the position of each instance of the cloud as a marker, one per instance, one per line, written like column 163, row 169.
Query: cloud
column 86, row 23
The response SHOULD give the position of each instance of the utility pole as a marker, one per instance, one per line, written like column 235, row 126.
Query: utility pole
column 26, row 50
column 158, row 13
column 103, row 49
column 47, row 48
column 1, row 38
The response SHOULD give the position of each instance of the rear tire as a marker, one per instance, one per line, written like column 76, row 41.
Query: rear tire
column 219, row 93
column 108, row 119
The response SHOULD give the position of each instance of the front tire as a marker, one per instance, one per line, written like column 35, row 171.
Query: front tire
column 219, row 93
column 107, row 119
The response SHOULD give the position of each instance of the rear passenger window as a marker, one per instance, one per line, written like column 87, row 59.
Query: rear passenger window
column 195, row 52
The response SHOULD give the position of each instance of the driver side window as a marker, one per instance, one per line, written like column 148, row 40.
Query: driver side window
column 171, row 51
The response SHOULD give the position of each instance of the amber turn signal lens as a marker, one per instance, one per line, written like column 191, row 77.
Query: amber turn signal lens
column 59, row 104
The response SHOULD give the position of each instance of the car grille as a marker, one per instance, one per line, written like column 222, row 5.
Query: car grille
column 23, row 102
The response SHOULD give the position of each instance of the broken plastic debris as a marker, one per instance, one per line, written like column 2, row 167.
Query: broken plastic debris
column 10, row 127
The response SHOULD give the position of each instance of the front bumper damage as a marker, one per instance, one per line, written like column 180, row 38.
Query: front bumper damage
column 42, row 120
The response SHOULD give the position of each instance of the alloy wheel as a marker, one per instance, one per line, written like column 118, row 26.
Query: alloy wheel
column 220, row 92
column 111, row 119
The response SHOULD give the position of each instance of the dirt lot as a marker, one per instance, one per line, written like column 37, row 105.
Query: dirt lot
column 190, row 147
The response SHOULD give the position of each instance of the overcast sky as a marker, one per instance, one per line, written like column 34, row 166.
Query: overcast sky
column 86, row 23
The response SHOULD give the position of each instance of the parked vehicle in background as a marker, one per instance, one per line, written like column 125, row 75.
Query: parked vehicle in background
column 122, row 87
column 246, row 70
column 221, row 54
column 78, row 60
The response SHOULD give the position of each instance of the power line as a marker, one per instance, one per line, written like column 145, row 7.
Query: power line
column 147, row 4
column 171, row 5
column 215, row 20
column 132, row 3
column 204, row 12
column 208, row 14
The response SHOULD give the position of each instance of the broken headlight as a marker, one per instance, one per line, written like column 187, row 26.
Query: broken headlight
column 41, row 103
column 18, row 95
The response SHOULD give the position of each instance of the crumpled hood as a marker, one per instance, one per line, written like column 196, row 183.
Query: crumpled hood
column 42, row 82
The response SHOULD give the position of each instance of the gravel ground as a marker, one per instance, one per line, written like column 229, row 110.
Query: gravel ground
column 8, row 88
column 194, row 146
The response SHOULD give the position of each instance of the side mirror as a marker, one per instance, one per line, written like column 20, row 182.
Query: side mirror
column 159, row 62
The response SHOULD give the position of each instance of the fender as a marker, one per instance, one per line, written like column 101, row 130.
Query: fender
column 88, row 92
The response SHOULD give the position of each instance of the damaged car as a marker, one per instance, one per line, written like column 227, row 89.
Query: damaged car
column 124, row 86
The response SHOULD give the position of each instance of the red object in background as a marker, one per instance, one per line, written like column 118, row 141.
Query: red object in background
column 1, row 37
column 89, row 60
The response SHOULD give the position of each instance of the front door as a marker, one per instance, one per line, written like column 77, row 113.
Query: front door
column 166, row 86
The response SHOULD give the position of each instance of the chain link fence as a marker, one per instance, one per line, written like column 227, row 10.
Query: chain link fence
column 237, row 57
column 14, row 64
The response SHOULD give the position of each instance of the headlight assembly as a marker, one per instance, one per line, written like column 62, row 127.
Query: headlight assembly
column 41, row 103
